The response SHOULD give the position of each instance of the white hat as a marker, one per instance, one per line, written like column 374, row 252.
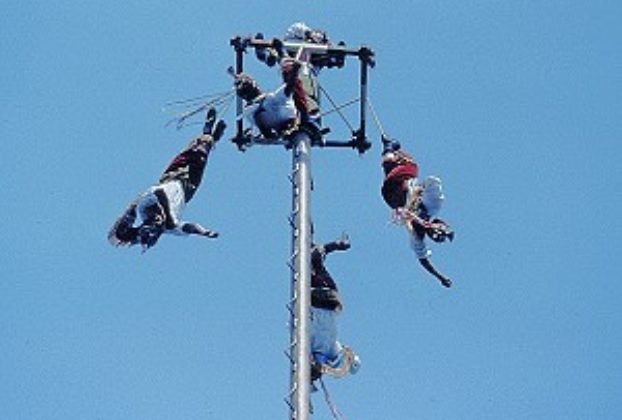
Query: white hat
column 297, row 31
column 432, row 196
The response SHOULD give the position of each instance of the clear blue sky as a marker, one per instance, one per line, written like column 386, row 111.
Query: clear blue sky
column 516, row 105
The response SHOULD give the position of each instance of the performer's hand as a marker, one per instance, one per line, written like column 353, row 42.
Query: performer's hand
column 445, row 281
column 211, row 234
column 343, row 243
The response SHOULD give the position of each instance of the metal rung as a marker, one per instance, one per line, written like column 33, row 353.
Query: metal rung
column 291, row 265
column 292, row 390
column 291, row 304
column 289, row 404
column 289, row 356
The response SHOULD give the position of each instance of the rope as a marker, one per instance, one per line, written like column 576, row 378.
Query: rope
column 222, row 100
column 196, row 100
column 337, row 415
column 345, row 104
column 224, row 109
column 344, row 368
column 300, row 51
column 336, row 108
column 376, row 119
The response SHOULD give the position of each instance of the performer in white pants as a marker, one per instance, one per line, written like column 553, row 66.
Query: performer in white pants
column 329, row 355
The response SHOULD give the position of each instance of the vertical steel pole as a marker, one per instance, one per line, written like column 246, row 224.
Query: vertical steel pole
column 363, row 109
column 239, row 106
column 300, row 323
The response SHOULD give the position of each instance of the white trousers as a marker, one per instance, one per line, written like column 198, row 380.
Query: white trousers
column 324, row 345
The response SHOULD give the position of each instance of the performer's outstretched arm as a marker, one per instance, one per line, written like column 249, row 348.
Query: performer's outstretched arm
column 197, row 229
column 427, row 264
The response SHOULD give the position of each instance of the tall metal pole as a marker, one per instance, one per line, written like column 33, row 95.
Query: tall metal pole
column 300, row 220
column 239, row 69
column 300, row 322
column 363, row 109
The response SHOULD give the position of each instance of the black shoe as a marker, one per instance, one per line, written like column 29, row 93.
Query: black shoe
column 343, row 243
column 445, row 282
column 219, row 130
column 316, row 371
column 209, row 121
column 260, row 52
column 277, row 44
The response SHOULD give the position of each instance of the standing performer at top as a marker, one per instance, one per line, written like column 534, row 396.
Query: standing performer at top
column 306, row 90
column 416, row 203
column 160, row 207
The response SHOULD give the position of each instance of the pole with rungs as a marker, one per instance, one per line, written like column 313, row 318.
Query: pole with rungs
column 299, row 351
column 300, row 321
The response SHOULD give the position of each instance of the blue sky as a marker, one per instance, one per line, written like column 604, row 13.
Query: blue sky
column 516, row 105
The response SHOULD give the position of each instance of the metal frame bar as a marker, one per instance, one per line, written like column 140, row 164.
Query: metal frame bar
column 366, row 57
column 239, row 47
column 363, row 52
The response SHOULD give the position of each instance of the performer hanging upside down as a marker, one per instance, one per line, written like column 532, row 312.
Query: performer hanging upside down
column 273, row 113
column 416, row 203
column 160, row 207
column 329, row 355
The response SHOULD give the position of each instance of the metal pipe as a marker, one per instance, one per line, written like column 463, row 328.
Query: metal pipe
column 294, row 46
column 300, row 322
column 363, row 110
column 239, row 106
